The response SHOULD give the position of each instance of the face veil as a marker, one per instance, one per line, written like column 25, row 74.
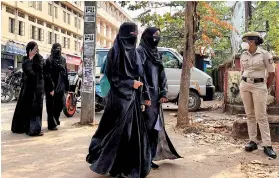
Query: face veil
column 125, row 58
column 149, row 45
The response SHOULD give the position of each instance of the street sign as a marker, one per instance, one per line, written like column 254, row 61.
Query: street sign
column 88, row 80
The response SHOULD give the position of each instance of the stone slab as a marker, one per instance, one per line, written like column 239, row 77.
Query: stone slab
column 239, row 109
column 240, row 130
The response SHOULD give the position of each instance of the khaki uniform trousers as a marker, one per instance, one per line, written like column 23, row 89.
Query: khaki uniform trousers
column 254, row 97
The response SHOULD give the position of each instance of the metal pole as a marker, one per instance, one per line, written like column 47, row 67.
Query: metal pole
column 88, row 79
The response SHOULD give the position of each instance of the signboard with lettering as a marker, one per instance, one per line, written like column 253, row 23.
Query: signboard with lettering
column 73, row 59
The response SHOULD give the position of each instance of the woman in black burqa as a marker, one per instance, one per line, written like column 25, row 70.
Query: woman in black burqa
column 56, row 66
column 28, row 113
column 120, row 145
column 161, row 145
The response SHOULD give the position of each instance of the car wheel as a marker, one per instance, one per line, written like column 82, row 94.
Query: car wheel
column 194, row 101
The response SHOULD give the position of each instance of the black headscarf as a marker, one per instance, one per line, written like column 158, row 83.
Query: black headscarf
column 55, row 55
column 37, row 59
column 124, row 57
column 149, row 44
column 30, row 46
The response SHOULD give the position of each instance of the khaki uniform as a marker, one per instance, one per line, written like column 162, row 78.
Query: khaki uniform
column 254, row 95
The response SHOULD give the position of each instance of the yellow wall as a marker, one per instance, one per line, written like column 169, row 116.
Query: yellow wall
column 24, row 7
column 109, row 17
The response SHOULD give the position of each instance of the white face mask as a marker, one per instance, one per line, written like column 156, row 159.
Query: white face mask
column 245, row 45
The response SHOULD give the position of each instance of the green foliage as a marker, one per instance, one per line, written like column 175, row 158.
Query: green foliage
column 214, row 29
column 267, row 11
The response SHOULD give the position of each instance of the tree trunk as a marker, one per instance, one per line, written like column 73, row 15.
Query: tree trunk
column 183, row 118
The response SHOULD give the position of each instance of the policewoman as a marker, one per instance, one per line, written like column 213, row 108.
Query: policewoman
column 258, row 72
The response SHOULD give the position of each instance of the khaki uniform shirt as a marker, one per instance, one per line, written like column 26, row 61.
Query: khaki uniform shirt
column 256, row 65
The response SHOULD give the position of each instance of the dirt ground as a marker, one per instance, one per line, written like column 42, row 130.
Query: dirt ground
column 208, row 150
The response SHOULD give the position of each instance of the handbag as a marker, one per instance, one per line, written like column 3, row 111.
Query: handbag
column 105, row 86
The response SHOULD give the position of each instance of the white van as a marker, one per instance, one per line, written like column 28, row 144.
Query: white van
column 201, row 83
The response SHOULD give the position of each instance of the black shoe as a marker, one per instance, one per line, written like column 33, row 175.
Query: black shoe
column 53, row 129
column 251, row 146
column 154, row 166
column 270, row 152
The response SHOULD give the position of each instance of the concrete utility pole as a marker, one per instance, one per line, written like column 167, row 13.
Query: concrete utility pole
column 88, row 79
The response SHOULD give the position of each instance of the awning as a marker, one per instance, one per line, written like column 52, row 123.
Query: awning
column 75, row 60
column 15, row 48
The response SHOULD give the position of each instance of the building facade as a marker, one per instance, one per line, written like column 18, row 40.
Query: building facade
column 48, row 22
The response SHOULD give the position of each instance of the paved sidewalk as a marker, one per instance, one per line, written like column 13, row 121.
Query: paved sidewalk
column 61, row 154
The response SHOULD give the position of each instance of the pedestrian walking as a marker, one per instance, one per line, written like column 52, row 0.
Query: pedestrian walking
column 255, row 64
column 161, row 145
column 57, row 68
column 28, row 113
column 120, row 145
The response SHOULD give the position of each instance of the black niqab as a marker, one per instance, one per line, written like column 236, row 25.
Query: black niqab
column 149, row 45
column 125, row 58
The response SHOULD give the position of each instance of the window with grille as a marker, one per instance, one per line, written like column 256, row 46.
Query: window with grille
column 69, row 18
column 39, row 5
column 79, row 24
column 56, row 38
column 48, row 25
column 56, row 29
column 34, row 32
column 69, row 43
column 10, row 10
column 32, row 19
column 49, row 37
column 56, row 12
column 50, row 9
column 11, row 25
column 41, row 22
column 64, row 42
column 21, row 14
column 64, row 16
column 21, row 28
column 32, row 4
column 40, row 34
column 76, row 48
column 76, row 22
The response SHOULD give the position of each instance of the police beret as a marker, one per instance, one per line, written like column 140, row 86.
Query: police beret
column 251, row 34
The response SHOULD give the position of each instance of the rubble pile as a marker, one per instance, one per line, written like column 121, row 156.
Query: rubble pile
column 260, row 170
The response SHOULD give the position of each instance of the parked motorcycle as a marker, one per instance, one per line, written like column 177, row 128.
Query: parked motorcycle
column 74, row 95
column 11, row 85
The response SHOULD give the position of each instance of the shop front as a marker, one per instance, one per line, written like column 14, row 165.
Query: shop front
column 72, row 62
column 12, row 55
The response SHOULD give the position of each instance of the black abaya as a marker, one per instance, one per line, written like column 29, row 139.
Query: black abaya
column 56, row 67
column 120, row 144
column 161, row 145
column 28, row 113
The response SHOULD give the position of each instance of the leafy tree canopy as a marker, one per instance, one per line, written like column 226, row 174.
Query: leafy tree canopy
column 213, row 28
column 267, row 11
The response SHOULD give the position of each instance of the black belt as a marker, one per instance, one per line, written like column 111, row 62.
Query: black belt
column 255, row 80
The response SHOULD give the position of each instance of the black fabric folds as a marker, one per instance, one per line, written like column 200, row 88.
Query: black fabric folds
column 120, row 144
column 161, row 145
column 28, row 113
